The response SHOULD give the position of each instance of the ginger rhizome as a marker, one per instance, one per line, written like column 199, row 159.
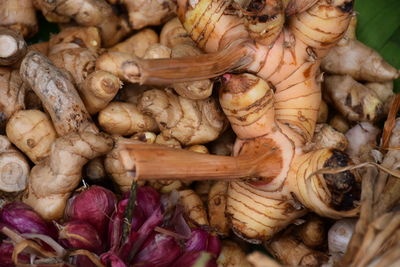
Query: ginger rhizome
column 20, row 16
column 189, row 121
column 32, row 132
column 14, row 168
column 53, row 179
column 96, row 13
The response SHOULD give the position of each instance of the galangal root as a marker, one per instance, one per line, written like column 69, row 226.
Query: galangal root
column 273, row 121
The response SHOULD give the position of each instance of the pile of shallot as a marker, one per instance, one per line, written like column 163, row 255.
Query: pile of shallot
column 95, row 231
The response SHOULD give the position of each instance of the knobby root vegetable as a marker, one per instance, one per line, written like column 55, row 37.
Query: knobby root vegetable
column 131, row 93
column 360, row 61
column 20, row 16
column 84, row 37
column 114, row 167
column 173, row 33
column 230, row 46
column 53, row 179
column 278, row 183
column 292, row 252
column 96, row 13
column 313, row 232
column 32, row 132
column 259, row 259
column 196, row 89
column 217, row 207
column 12, row 47
column 94, row 170
column 326, row 137
column 144, row 13
column 12, row 94
column 193, row 207
column 137, row 44
column 79, row 62
column 189, row 121
column 98, row 89
column 58, row 95
column 352, row 99
column 232, row 255
column 339, row 123
column 14, row 168
column 362, row 140
column 272, row 121
column 125, row 119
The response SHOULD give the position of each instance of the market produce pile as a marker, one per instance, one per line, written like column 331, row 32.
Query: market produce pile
column 181, row 133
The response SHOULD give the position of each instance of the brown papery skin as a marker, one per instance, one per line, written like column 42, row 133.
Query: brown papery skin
column 42, row 47
column 12, row 94
column 32, row 132
column 20, row 16
column 12, row 47
column 57, row 93
column 14, row 168
column 137, row 44
column 87, row 13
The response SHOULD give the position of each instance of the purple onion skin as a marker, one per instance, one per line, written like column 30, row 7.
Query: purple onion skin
column 115, row 226
column 159, row 250
column 22, row 218
column 147, row 198
column 201, row 240
column 80, row 235
column 83, row 261
column 189, row 258
column 111, row 259
column 94, row 205
column 6, row 250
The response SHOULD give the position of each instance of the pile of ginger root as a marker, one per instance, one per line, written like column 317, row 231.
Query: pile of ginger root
column 72, row 110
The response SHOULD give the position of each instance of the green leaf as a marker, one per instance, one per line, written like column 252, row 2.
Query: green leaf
column 378, row 26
